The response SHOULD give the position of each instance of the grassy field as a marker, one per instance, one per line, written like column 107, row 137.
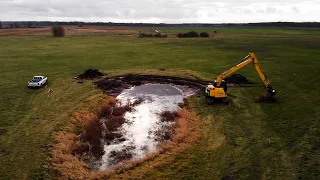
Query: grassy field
column 241, row 141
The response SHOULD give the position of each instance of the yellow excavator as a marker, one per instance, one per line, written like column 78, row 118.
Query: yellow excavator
column 217, row 90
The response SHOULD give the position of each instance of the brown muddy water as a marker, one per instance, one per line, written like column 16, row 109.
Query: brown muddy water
column 143, row 129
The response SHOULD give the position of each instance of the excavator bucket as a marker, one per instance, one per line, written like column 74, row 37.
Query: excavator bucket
column 268, row 98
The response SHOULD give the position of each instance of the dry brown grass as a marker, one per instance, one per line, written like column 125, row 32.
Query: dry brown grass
column 23, row 31
column 68, row 154
column 64, row 162
column 81, row 118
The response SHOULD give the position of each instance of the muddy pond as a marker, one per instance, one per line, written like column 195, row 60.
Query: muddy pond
column 143, row 129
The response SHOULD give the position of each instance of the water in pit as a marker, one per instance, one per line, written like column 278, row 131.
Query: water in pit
column 139, row 138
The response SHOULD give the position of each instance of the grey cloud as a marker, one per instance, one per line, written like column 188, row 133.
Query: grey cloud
column 271, row 10
column 295, row 9
column 41, row 10
column 155, row 11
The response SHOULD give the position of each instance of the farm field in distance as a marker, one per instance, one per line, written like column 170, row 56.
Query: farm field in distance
column 242, row 140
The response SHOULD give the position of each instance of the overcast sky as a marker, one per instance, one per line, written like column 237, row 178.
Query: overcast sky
column 161, row 11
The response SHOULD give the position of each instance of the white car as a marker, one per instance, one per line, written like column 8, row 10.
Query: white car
column 38, row 81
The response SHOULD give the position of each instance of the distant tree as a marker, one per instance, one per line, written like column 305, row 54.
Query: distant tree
column 149, row 35
column 0, row 25
column 80, row 24
column 58, row 31
column 204, row 34
column 158, row 35
column 142, row 35
column 193, row 34
column 17, row 25
column 29, row 24
column 188, row 34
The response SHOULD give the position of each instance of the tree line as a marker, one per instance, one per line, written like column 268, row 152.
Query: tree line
column 37, row 24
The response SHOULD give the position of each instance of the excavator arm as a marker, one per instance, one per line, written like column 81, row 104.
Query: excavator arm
column 251, row 58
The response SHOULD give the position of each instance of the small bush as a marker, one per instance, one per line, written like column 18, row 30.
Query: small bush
column 58, row 31
column 188, row 34
column 158, row 35
column 193, row 34
column 142, row 35
column 149, row 35
column 204, row 34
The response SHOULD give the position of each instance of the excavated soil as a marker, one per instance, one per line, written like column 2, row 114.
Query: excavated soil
column 237, row 79
column 90, row 74
column 115, row 85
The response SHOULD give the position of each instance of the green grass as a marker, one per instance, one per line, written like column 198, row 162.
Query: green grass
column 243, row 30
column 241, row 141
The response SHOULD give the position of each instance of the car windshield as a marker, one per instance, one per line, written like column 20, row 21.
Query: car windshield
column 35, row 80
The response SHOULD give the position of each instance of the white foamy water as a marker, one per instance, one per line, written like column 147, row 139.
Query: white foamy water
column 143, row 120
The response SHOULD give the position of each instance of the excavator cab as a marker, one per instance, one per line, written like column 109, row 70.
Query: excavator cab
column 214, row 93
column 223, row 85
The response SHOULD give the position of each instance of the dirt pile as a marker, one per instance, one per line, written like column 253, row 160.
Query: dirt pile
column 237, row 79
column 90, row 74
